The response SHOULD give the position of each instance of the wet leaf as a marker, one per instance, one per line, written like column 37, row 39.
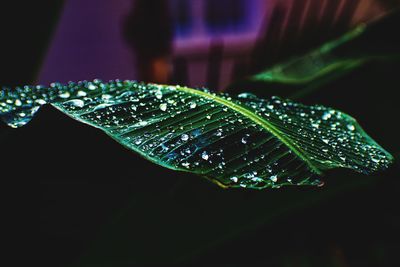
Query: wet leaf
column 235, row 141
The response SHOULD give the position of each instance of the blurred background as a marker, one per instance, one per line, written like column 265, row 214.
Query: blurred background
column 194, row 42
column 95, row 204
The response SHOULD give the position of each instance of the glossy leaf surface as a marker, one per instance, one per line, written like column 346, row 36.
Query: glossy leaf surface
column 240, row 141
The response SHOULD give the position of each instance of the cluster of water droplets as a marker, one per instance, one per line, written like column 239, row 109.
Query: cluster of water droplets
column 18, row 105
column 207, row 133
column 328, row 137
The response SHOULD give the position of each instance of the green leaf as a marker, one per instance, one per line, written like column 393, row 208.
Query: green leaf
column 240, row 141
column 305, row 73
column 316, row 64
column 308, row 72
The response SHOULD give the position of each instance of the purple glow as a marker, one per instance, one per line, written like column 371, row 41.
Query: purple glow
column 88, row 43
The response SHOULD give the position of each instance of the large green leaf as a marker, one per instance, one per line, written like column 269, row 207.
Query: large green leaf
column 240, row 141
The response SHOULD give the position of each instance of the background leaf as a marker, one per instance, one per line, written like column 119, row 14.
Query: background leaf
column 302, row 74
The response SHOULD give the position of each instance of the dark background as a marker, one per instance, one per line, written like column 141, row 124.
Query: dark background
column 74, row 197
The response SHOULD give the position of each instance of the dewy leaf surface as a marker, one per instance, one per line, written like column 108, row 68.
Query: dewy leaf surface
column 240, row 141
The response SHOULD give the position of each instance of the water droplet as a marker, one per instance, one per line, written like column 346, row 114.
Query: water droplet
column 375, row 159
column 247, row 95
column 186, row 164
column 184, row 137
column 274, row 178
column 326, row 115
column 106, row 97
column 163, row 106
column 244, row 139
column 193, row 105
column 92, row 86
column 75, row 103
column 315, row 125
column 234, row 179
column 18, row 103
column 81, row 93
column 351, row 127
column 257, row 179
column 138, row 142
column 101, row 106
column 159, row 94
column 64, row 95
column 40, row 101
column 204, row 155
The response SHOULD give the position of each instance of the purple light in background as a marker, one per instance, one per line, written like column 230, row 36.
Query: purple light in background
column 88, row 43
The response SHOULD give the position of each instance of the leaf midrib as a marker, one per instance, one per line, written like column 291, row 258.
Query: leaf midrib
column 257, row 119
